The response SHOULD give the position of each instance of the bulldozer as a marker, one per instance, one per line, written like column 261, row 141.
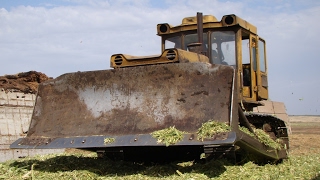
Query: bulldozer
column 208, row 71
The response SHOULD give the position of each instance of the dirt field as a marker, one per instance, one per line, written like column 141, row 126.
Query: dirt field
column 305, row 135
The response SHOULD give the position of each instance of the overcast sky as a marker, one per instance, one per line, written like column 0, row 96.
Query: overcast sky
column 60, row 36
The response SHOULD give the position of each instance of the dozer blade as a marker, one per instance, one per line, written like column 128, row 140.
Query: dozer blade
column 80, row 110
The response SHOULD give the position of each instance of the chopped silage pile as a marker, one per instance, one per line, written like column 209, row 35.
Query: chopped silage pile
column 246, row 130
column 171, row 135
column 89, row 167
column 168, row 136
column 109, row 140
column 210, row 128
column 263, row 137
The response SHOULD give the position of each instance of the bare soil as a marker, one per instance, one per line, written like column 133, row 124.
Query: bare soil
column 305, row 135
column 26, row 82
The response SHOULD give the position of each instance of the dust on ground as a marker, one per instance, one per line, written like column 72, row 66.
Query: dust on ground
column 305, row 124
column 305, row 135
column 26, row 82
column 310, row 118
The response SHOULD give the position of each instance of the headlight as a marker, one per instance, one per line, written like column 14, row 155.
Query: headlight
column 229, row 20
column 118, row 60
column 163, row 28
column 171, row 55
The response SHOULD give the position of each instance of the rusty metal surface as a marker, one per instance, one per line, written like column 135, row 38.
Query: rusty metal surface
column 136, row 100
column 200, row 32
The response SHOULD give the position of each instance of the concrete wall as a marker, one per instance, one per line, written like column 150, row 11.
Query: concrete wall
column 15, row 115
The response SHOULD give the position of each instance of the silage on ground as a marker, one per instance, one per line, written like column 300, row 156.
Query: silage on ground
column 71, row 166
column 302, row 164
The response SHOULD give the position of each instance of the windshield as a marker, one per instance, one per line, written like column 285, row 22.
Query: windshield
column 173, row 42
column 193, row 38
column 223, row 47
column 221, row 43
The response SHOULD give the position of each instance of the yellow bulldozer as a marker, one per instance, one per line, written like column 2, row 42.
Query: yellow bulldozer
column 209, row 71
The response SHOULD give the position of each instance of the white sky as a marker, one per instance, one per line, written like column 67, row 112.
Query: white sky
column 61, row 36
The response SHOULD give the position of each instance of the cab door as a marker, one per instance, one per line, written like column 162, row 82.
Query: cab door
column 249, row 80
column 254, row 68
column 262, row 78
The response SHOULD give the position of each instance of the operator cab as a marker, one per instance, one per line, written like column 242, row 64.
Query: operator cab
column 231, row 41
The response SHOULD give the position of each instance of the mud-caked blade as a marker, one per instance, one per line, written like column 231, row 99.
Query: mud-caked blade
column 136, row 100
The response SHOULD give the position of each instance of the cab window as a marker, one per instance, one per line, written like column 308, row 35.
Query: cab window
column 173, row 42
column 193, row 38
column 223, row 48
